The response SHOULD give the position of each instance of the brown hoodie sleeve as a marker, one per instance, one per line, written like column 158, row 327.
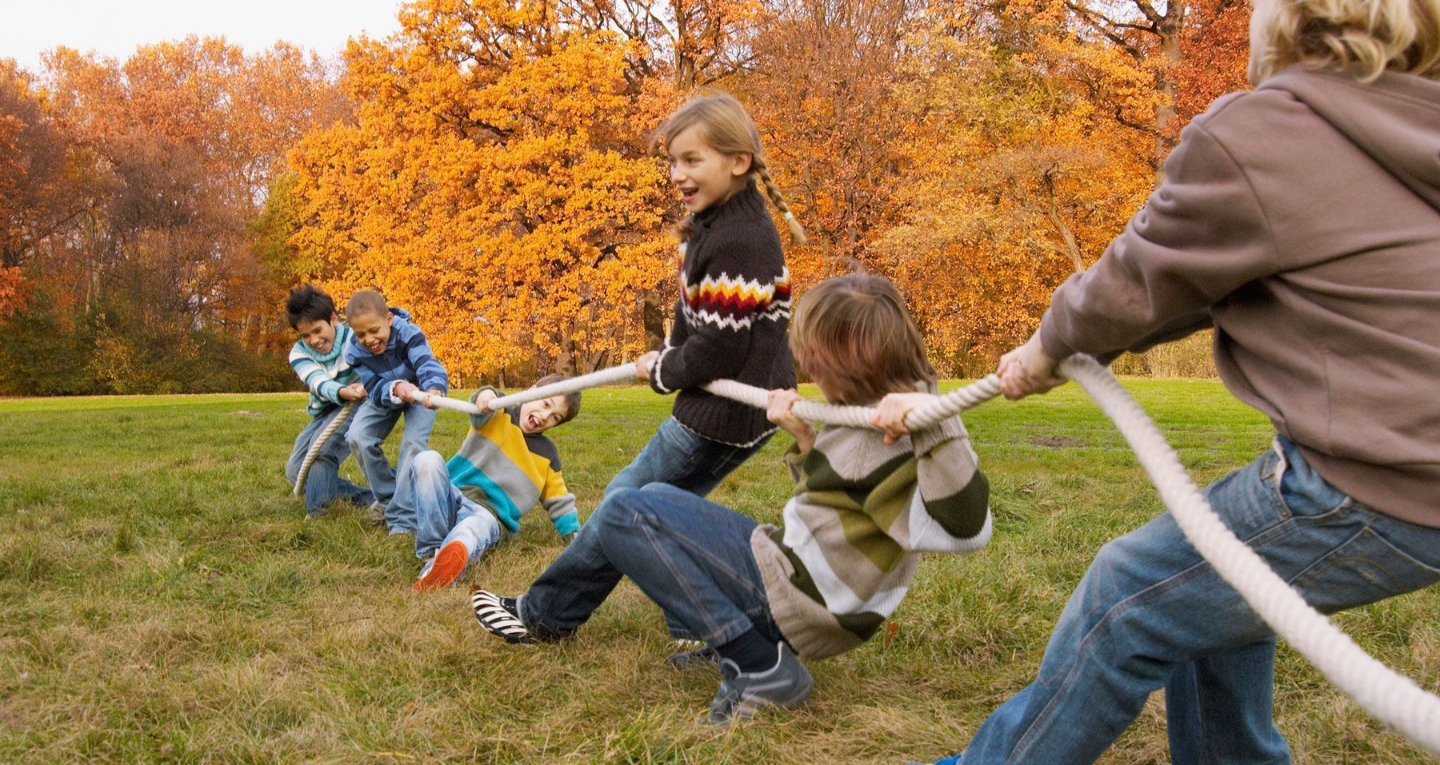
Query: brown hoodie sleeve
column 1201, row 235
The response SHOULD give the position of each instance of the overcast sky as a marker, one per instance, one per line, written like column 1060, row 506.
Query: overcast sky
column 116, row 27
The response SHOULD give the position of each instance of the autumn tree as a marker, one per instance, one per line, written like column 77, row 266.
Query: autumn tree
column 825, row 92
column 1018, row 175
column 160, row 163
column 495, row 184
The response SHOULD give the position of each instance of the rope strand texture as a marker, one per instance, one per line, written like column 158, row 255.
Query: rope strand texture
column 319, row 443
column 1391, row 697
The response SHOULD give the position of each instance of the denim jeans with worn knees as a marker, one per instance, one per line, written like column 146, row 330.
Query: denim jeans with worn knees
column 323, row 483
column 1151, row 613
column 440, row 507
column 366, row 437
column 690, row 556
column 684, row 459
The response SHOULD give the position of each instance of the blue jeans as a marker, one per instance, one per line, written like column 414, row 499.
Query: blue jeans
column 323, row 483
column 367, row 440
column 1151, row 613
column 690, row 556
column 439, row 507
column 684, row 459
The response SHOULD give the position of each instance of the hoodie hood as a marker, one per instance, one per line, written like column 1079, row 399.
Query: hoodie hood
column 1395, row 119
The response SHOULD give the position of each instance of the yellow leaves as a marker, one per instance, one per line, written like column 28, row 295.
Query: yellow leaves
column 507, row 206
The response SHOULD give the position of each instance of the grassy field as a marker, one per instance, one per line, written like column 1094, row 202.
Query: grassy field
column 163, row 600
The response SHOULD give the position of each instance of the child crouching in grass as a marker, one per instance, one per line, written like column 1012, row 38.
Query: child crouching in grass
column 864, row 506
column 505, row 467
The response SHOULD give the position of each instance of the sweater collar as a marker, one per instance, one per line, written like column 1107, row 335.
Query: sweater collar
column 746, row 203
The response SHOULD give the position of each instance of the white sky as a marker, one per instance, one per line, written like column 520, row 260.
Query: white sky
column 116, row 27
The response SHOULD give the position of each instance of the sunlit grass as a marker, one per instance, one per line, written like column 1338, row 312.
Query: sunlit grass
column 163, row 600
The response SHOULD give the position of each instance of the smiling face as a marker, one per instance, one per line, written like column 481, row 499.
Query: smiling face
column 540, row 416
column 372, row 331
column 703, row 175
column 318, row 334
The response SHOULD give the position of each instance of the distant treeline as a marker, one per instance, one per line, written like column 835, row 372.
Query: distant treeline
column 489, row 168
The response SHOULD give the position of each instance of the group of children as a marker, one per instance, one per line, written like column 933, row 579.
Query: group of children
column 382, row 362
column 748, row 599
column 1324, row 318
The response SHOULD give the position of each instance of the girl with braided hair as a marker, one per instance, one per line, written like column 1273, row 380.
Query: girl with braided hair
column 733, row 314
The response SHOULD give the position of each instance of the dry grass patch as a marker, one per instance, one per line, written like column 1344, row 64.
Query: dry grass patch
column 162, row 600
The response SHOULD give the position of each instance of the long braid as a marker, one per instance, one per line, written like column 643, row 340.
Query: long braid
column 797, row 232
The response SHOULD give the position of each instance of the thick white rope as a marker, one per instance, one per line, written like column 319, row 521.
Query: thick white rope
column 319, row 443
column 1391, row 697
column 948, row 405
column 595, row 379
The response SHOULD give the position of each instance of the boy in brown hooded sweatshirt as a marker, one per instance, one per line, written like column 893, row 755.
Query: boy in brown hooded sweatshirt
column 1302, row 221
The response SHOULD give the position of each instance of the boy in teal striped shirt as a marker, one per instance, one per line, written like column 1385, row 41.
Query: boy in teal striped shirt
column 318, row 359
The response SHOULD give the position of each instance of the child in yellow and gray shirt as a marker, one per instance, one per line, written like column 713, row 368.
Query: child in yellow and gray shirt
column 505, row 467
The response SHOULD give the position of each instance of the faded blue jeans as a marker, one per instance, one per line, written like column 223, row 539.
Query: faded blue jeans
column 367, row 435
column 692, row 557
column 323, row 483
column 684, row 459
column 1151, row 613
column 440, row 507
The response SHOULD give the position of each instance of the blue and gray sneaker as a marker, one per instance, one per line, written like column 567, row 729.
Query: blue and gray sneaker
column 742, row 694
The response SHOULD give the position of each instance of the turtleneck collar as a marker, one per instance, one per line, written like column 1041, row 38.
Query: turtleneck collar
column 743, row 203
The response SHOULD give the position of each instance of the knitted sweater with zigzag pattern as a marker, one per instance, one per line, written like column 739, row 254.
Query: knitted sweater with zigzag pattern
column 731, row 320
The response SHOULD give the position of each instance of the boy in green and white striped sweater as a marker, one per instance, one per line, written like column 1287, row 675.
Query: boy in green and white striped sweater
column 865, row 505
column 318, row 359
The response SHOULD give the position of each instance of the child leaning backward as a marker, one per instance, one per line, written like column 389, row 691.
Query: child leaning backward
column 318, row 359
column 734, row 306
column 864, row 506
column 394, row 361
column 1302, row 221
column 505, row 467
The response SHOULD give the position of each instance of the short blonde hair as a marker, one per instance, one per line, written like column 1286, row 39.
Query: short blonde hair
column 853, row 334
column 1368, row 36
column 728, row 129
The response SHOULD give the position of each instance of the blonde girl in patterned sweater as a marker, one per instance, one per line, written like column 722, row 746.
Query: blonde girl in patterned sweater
column 734, row 308
column 865, row 506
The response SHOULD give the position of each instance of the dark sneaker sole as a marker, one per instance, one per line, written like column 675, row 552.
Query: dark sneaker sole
column 448, row 566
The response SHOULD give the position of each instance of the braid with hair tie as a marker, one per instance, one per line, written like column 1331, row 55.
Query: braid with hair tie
column 797, row 233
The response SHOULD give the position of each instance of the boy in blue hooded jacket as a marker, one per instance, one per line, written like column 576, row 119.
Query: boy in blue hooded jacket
column 394, row 361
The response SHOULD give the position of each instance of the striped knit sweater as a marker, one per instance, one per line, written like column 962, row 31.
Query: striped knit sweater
column 407, row 356
column 861, row 514
column 324, row 374
column 509, row 471
column 730, row 322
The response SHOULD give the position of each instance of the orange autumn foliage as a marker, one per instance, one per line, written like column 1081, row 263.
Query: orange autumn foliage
column 493, row 184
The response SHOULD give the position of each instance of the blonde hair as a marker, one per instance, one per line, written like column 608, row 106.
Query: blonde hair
column 1369, row 36
column 853, row 334
column 728, row 129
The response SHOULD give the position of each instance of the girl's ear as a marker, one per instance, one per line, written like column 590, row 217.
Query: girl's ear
column 741, row 164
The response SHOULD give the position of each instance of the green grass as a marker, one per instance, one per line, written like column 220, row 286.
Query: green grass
column 162, row 600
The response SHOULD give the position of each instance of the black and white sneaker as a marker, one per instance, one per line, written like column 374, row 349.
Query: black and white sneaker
column 499, row 616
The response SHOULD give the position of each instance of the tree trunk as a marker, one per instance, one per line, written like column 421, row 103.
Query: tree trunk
column 1171, row 26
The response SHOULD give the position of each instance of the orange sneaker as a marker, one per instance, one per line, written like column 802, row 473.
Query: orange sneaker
column 447, row 566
